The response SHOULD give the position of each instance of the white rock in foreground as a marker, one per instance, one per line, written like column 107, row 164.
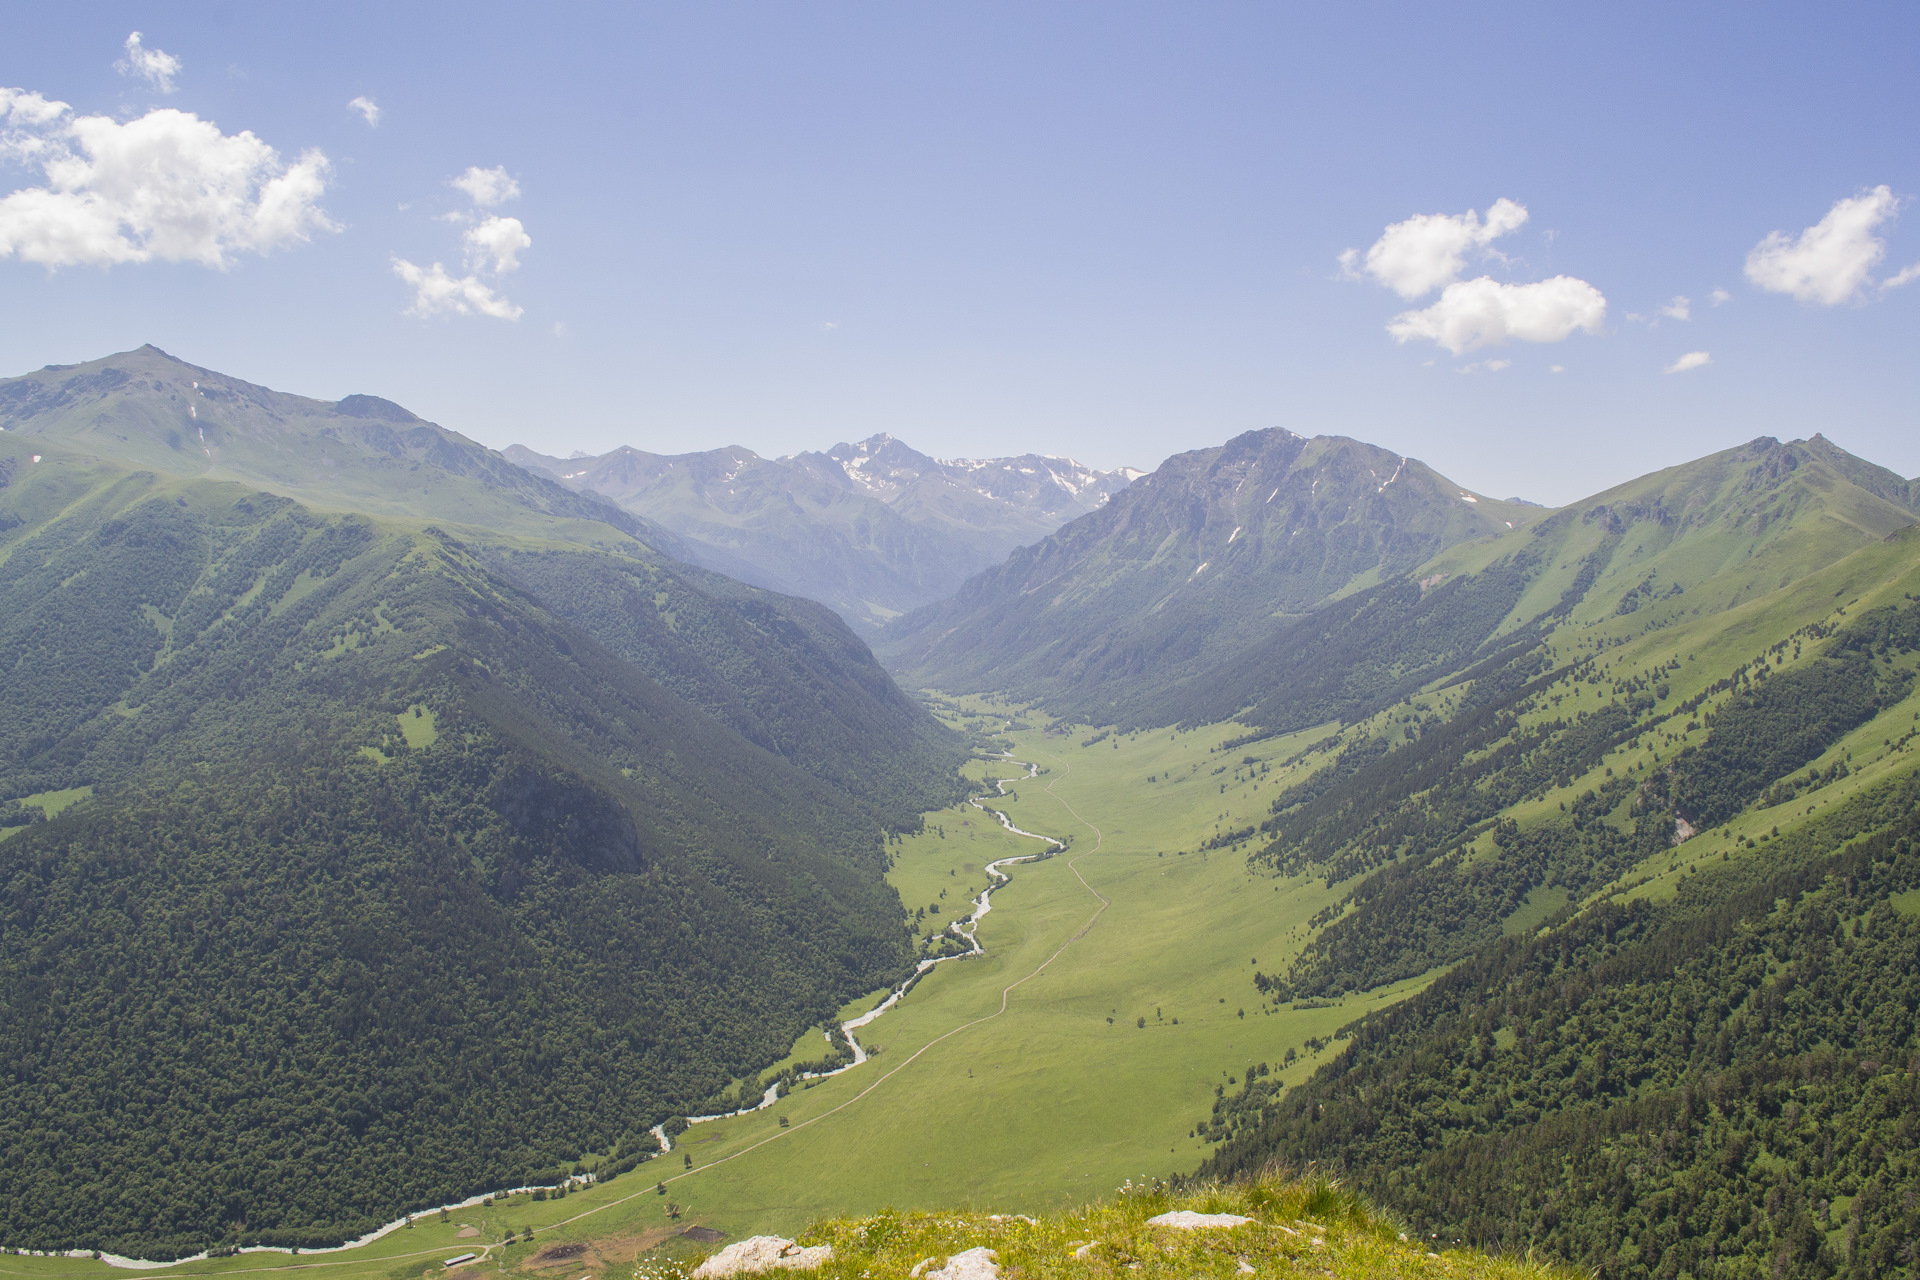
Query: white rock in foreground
column 1188, row 1220
column 974, row 1264
column 761, row 1253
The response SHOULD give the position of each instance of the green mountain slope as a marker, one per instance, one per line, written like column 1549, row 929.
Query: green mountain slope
column 1723, row 1083
column 360, row 454
column 1687, row 542
column 1664, row 832
column 1188, row 569
column 870, row 529
column 414, row 861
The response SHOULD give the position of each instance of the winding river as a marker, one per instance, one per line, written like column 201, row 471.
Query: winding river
column 967, row 929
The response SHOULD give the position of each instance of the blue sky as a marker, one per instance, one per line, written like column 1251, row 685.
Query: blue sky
column 1111, row 231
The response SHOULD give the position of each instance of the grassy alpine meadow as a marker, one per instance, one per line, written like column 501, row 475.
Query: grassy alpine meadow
column 1078, row 1053
column 1301, row 1227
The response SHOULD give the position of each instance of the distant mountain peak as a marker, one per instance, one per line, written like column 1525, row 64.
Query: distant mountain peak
column 869, row 527
column 1186, row 566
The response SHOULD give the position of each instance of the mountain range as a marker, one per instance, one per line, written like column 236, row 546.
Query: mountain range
column 384, row 819
column 1287, row 580
column 871, row 529
column 1189, row 567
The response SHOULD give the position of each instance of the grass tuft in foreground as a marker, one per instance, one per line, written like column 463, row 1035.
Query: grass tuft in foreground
column 1308, row 1226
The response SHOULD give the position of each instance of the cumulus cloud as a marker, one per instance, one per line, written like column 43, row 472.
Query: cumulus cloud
column 21, row 112
column 166, row 187
column 1429, row 250
column 1718, row 296
column 1831, row 260
column 1679, row 309
column 492, row 244
column 1486, row 313
column 156, row 67
column 495, row 244
column 487, row 187
column 435, row 292
column 369, row 110
column 1691, row 360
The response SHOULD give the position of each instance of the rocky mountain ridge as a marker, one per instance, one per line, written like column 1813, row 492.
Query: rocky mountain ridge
column 871, row 528
column 1194, row 561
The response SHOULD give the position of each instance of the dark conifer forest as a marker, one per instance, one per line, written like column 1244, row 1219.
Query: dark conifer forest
column 411, row 868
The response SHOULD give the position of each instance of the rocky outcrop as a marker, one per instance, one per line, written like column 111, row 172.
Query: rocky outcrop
column 762, row 1253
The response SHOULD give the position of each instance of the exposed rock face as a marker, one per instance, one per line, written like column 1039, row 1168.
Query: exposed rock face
column 761, row 1253
column 974, row 1264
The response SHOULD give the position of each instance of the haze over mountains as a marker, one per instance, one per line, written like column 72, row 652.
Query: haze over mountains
column 871, row 529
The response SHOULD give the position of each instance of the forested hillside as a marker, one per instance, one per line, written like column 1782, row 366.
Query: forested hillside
column 410, row 863
column 1726, row 1083
column 1664, row 837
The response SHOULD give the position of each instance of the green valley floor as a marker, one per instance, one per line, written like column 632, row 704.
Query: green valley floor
column 1114, row 999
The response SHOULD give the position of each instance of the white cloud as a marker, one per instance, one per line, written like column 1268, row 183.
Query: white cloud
column 22, row 112
column 1718, row 296
column 1488, row 366
column 1486, row 313
column 1429, row 250
column 152, row 65
column 1907, row 276
column 1829, row 261
column 487, row 187
column 1691, row 360
column 1679, row 309
column 495, row 244
column 1558, row 368
column 435, row 292
column 166, row 187
column 369, row 110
